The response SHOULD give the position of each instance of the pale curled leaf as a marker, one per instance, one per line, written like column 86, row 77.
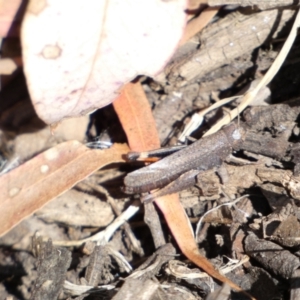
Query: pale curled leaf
column 78, row 54
column 49, row 174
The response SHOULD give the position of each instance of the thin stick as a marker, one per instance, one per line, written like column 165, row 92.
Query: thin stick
column 250, row 95
column 104, row 236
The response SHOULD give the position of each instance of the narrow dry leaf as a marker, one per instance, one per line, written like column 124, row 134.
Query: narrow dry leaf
column 170, row 205
column 180, row 227
column 49, row 174
column 198, row 23
column 195, row 4
column 135, row 115
column 78, row 54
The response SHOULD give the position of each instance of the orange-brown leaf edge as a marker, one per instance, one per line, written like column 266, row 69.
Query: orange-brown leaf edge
column 136, row 118
column 204, row 264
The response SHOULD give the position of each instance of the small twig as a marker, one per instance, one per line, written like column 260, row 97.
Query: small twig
column 104, row 236
column 136, row 247
column 152, row 220
column 154, row 263
column 198, row 118
column 251, row 94
column 76, row 290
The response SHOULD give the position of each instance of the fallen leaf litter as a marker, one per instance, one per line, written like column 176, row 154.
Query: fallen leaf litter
column 270, row 178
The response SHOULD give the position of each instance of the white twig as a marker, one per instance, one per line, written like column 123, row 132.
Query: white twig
column 197, row 118
column 122, row 260
column 76, row 290
column 250, row 95
column 215, row 208
column 104, row 236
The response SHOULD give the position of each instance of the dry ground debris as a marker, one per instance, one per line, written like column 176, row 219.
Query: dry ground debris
column 245, row 212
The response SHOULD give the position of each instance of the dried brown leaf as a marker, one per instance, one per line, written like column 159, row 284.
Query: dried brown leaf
column 170, row 205
column 198, row 23
column 136, row 118
column 49, row 174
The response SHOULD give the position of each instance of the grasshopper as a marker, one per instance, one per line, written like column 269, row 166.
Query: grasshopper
column 179, row 170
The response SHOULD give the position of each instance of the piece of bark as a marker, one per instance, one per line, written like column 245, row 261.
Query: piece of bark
column 271, row 256
column 260, row 117
column 53, row 263
column 151, row 218
column 287, row 233
column 276, row 195
column 223, row 41
column 137, row 289
column 297, row 169
column 284, row 177
column 222, row 293
column 238, row 243
column 295, row 154
column 267, row 145
column 263, row 285
column 292, row 185
column 295, row 285
column 238, row 177
column 192, row 277
column 273, row 175
column 219, row 216
column 168, row 112
column 282, row 227
column 101, row 265
column 154, row 263
column 270, row 224
column 209, row 183
column 99, row 268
